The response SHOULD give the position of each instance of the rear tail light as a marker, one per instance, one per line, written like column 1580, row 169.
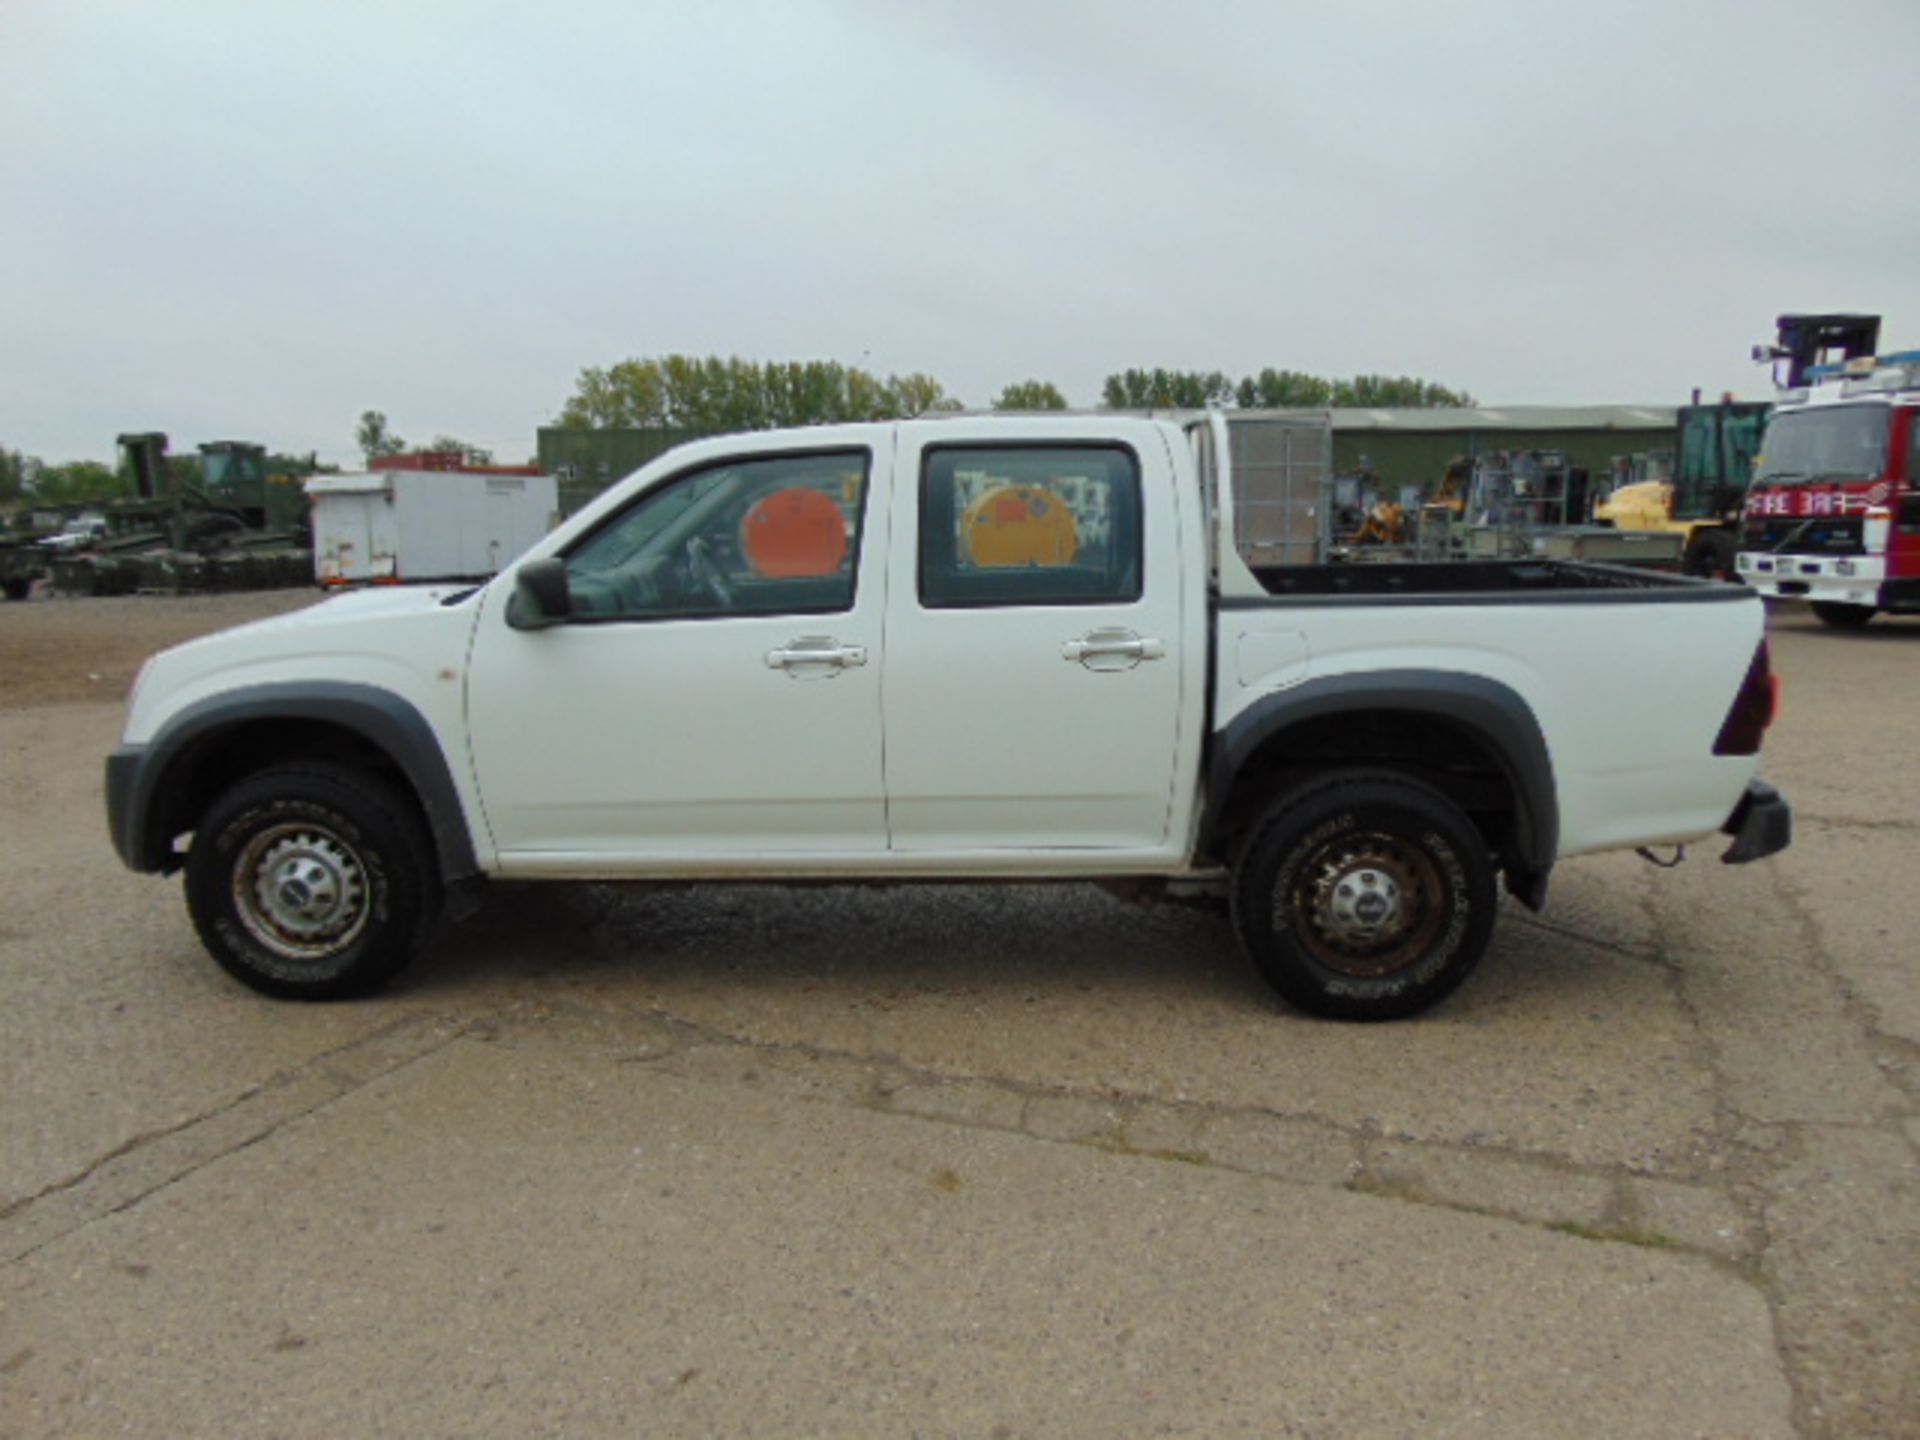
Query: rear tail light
column 1753, row 708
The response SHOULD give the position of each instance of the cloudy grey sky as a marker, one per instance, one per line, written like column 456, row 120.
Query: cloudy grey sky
column 253, row 219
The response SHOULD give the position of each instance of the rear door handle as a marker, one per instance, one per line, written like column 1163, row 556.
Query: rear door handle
column 1114, row 649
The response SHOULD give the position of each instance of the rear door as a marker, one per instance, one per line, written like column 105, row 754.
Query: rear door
column 1033, row 673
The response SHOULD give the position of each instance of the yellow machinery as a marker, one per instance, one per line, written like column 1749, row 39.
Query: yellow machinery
column 1359, row 513
column 1020, row 525
column 1714, row 451
column 1643, row 505
column 1385, row 524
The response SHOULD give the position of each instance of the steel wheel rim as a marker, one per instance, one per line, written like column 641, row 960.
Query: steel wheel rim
column 301, row 890
column 1366, row 904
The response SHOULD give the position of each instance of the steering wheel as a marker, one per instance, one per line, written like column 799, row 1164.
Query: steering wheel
column 703, row 570
column 636, row 591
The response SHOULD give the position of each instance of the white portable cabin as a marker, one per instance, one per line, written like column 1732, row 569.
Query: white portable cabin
column 404, row 526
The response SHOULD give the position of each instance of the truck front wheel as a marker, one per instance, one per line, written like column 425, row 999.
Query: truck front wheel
column 1364, row 895
column 1841, row 615
column 1711, row 556
column 313, row 882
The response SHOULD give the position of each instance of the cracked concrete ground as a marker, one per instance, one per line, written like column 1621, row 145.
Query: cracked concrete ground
column 973, row 1160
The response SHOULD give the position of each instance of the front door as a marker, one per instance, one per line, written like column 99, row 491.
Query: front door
column 1034, row 629
column 715, row 699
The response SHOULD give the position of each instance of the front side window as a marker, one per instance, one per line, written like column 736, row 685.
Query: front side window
column 750, row 537
column 1029, row 525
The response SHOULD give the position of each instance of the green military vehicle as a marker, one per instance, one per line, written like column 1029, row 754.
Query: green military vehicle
column 23, row 559
column 235, row 527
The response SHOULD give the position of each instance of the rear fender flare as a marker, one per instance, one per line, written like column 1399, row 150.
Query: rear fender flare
column 1492, row 712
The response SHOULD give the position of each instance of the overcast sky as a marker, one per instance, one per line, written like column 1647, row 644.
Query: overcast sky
column 240, row 219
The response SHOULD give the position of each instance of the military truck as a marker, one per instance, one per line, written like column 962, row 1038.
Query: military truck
column 236, row 527
column 22, row 561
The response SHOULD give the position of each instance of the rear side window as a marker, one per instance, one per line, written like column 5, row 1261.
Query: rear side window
column 1029, row 525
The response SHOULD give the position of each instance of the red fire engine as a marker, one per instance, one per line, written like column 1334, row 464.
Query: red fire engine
column 1833, row 515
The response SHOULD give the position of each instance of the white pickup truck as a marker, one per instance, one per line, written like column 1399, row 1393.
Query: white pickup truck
column 963, row 648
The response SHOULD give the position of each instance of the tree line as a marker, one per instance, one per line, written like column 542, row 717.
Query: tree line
column 713, row 395
column 681, row 392
column 1272, row 390
column 27, row 480
column 377, row 440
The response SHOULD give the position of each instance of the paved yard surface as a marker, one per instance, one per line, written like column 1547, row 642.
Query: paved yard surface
column 964, row 1161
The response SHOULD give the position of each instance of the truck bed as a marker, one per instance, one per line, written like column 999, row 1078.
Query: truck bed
column 1479, row 582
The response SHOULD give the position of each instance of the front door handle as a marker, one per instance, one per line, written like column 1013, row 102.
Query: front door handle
column 816, row 655
column 1112, row 649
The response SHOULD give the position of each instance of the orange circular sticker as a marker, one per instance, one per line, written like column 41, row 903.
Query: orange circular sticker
column 793, row 533
column 1020, row 525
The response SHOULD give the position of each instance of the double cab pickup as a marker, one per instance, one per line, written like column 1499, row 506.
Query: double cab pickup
column 971, row 647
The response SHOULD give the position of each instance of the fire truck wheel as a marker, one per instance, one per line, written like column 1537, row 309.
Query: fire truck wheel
column 1842, row 616
column 1710, row 556
column 1364, row 895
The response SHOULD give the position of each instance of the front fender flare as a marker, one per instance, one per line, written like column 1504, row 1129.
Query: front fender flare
column 138, row 775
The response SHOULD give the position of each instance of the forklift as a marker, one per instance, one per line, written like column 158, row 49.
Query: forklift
column 1713, row 452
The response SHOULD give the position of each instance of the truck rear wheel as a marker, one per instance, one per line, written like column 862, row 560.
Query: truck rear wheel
column 1841, row 615
column 1364, row 895
column 312, row 883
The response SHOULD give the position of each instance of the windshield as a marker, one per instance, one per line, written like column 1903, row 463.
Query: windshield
column 1840, row 442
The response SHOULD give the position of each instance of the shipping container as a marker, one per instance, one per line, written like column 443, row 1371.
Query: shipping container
column 404, row 526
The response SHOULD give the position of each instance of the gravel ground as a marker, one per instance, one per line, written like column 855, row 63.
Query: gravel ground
column 55, row 650
column 964, row 1159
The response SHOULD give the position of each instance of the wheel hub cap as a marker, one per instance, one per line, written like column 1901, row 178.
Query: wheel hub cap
column 301, row 891
column 1363, row 905
column 1367, row 904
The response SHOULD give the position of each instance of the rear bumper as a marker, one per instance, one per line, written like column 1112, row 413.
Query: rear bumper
column 1761, row 825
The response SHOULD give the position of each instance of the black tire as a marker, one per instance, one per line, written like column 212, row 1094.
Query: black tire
column 358, row 890
column 210, row 533
column 1711, row 556
column 17, row 589
column 1364, row 895
column 1842, row 616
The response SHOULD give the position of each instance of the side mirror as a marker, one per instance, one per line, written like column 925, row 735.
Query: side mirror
column 540, row 597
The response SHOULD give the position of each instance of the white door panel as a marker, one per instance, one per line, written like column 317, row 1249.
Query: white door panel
column 646, row 740
column 994, row 739
column 1035, row 726
column 676, row 738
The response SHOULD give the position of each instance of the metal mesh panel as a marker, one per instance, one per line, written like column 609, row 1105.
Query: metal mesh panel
column 1282, row 465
